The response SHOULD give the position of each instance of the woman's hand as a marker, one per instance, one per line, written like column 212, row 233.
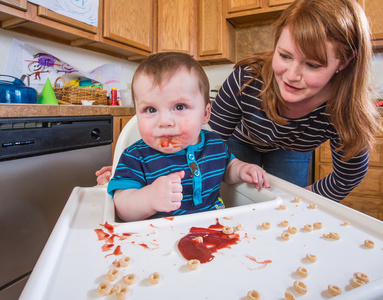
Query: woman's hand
column 103, row 175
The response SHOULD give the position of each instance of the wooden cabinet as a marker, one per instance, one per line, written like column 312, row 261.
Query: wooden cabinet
column 374, row 13
column 368, row 196
column 129, row 22
column 253, row 12
column 118, row 124
column 19, row 4
column 216, row 36
column 242, row 5
column 176, row 26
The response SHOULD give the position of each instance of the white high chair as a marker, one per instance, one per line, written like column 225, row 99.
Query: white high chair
column 232, row 195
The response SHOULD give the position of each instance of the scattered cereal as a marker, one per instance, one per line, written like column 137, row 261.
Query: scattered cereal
column 123, row 293
column 227, row 230
column 369, row 244
column 318, row 225
column 154, row 278
column 112, row 275
column 302, row 272
column 283, row 207
column 313, row 206
column 297, row 200
column 334, row 290
column 293, row 230
column 363, row 277
column 308, row 227
column 129, row 279
column 334, row 235
column 239, row 227
column 104, row 288
column 198, row 239
column 326, row 236
column 193, row 264
column 300, row 287
column 346, row 223
column 285, row 236
column 266, row 225
column 116, row 288
column 125, row 261
column 254, row 295
column 289, row 296
column 285, row 223
column 311, row 257
column 356, row 282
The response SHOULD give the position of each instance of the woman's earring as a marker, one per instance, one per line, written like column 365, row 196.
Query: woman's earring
column 337, row 71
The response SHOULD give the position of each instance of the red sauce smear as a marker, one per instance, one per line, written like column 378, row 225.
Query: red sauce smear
column 174, row 141
column 264, row 263
column 108, row 227
column 168, row 218
column 116, row 251
column 213, row 240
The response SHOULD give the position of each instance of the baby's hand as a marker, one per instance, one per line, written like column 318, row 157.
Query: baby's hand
column 167, row 192
column 254, row 174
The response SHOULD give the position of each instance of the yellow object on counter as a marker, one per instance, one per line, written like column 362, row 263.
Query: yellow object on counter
column 74, row 82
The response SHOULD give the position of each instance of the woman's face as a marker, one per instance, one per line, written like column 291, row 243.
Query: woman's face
column 302, row 80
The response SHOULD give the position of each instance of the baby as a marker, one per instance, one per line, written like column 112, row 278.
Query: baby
column 177, row 167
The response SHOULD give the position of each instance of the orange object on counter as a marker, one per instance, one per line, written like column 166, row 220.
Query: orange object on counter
column 113, row 96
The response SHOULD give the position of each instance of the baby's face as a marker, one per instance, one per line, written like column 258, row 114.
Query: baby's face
column 170, row 116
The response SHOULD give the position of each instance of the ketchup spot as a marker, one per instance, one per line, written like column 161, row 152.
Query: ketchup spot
column 213, row 240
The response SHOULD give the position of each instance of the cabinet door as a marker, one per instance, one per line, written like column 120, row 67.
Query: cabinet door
column 51, row 15
column 216, row 36
column 374, row 13
column 129, row 22
column 279, row 2
column 240, row 5
column 19, row 4
column 176, row 26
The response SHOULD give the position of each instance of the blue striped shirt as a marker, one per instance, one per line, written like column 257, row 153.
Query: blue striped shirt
column 241, row 117
column 204, row 165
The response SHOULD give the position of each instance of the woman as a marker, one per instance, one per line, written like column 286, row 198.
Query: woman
column 277, row 107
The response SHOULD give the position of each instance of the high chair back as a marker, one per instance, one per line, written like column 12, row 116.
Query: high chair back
column 128, row 136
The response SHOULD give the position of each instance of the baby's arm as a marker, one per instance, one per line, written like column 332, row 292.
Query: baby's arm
column 238, row 171
column 164, row 194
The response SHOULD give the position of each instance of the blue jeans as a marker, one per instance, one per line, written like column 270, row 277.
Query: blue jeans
column 288, row 165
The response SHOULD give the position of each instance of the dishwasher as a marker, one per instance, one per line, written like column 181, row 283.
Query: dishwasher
column 41, row 160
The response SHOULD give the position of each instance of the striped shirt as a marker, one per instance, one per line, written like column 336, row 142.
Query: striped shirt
column 204, row 165
column 240, row 116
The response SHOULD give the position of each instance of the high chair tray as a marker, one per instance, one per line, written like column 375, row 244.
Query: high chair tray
column 84, row 246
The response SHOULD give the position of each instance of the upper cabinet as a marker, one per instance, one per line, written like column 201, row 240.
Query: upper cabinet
column 129, row 22
column 374, row 13
column 254, row 12
column 216, row 36
column 18, row 4
column 176, row 26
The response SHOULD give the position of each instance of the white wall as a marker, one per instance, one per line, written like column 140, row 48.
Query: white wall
column 80, row 58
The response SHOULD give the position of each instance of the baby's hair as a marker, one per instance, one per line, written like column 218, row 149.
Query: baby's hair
column 162, row 66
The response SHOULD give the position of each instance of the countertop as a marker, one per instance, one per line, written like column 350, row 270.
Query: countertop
column 42, row 110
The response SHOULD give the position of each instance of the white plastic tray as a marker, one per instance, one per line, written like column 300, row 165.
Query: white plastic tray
column 73, row 264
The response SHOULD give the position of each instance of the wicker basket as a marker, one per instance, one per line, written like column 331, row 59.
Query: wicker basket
column 74, row 94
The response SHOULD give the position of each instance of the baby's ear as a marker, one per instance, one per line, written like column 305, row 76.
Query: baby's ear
column 207, row 113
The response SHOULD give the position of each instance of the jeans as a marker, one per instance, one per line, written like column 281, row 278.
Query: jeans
column 288, row 165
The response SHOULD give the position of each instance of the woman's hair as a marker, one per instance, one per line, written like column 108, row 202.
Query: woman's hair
column 162, row 66
column 343, row 24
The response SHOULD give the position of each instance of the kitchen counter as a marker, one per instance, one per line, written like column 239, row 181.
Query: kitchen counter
column 42, row 110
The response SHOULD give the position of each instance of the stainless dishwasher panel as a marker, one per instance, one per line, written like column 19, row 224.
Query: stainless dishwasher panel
column 41, row 161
